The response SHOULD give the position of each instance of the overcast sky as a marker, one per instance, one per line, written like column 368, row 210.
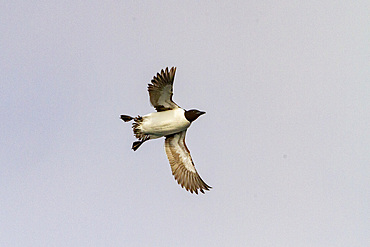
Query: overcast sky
column 285, row 143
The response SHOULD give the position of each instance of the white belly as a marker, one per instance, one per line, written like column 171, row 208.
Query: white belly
column 164, row 123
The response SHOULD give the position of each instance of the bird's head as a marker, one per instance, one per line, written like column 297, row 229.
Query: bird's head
column 193, row 114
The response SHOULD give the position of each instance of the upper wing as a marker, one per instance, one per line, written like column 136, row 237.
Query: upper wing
column 182, row 165
column 160, row 90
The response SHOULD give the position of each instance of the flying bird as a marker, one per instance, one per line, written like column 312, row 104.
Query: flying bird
column 170, row 121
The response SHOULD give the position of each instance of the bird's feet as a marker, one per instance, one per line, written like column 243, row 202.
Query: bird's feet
column 126, row 118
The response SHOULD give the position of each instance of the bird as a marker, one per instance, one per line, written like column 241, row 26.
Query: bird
column 171, row 122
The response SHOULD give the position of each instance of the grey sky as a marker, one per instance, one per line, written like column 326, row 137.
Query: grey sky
column 285, row 142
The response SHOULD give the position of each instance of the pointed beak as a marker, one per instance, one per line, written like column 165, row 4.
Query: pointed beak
column 202, row 112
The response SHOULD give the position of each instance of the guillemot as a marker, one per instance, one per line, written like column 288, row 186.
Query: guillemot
column 170, row 121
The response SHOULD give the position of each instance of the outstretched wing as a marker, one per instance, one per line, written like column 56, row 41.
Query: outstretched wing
column 161, row 90
column 182, row 165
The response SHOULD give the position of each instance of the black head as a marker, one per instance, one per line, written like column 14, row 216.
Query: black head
column 191, row 115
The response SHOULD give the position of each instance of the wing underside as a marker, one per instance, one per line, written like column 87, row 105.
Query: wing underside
column 182, row 165
column 161, row 90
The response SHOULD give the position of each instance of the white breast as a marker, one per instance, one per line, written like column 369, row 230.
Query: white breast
column 164, row 123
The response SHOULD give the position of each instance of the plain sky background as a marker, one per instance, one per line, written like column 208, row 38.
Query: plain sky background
column 285, row 142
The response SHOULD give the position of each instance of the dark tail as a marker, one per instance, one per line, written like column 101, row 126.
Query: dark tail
column 137, row 132
column 126, row 118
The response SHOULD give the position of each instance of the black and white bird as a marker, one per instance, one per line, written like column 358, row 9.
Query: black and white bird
column 170, row 121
